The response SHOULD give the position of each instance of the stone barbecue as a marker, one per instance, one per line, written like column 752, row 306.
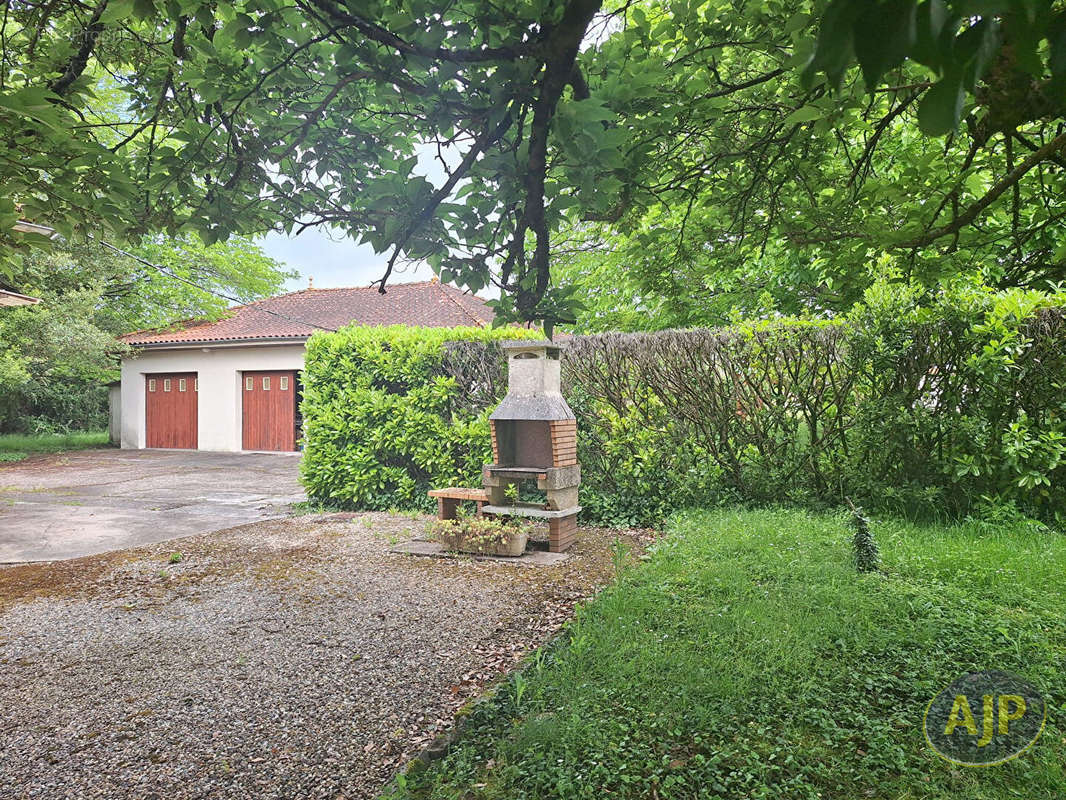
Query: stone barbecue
column 534, row 438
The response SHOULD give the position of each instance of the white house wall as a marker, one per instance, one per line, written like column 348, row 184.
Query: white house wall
column 114, row 407
column 218, row 369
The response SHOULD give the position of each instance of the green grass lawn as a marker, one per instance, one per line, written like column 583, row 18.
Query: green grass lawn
column 15, row 446
column 748, row 659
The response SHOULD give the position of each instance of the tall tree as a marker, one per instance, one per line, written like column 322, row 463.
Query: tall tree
column 258, row 114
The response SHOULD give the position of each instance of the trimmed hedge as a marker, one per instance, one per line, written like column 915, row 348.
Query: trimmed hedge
column 943, row 408
column 383, row 423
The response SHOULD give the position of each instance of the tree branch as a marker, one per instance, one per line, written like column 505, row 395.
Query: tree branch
column 1052, row 148
column 484, row 141
column 561, row 50
column 879, row 131
column 376, row 33
column 1032, row 146
column 579, row 84
column 80, row 59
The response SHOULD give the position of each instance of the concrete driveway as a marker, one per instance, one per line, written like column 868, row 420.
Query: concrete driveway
column 80, row 503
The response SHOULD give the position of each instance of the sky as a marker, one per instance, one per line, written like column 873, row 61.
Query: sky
column 333, row 260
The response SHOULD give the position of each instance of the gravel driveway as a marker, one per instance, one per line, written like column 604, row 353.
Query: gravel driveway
column 283, row 659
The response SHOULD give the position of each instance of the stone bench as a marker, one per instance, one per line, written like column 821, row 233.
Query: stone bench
column 448, row 500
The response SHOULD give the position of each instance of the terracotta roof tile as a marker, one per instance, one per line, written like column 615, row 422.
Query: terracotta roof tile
column 299, row 314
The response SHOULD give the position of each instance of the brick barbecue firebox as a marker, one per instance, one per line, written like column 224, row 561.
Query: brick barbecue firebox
column 534, row 437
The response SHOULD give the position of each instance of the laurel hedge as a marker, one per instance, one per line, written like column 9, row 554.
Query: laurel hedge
column 383, row 422
column 945, row 406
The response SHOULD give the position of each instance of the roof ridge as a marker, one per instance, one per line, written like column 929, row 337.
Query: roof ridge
column 316, row 289
column 457, row 304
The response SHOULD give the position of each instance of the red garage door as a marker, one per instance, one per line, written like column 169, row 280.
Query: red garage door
column 170, row 410
column 269, row 410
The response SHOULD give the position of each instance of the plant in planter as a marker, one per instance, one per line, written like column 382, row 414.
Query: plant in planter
column 482, row 535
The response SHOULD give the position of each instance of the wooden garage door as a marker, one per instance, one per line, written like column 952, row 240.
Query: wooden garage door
column 170, row 409
column 269, row 410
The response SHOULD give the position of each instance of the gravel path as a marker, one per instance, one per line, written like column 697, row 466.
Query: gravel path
column 291, row 658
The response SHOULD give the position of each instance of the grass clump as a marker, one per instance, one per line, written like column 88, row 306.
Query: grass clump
column 17, row 446
column 748, row 659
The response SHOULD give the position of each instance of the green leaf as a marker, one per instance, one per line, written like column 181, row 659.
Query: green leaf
column 930, row 18
column 1057, row 46
column 143, row 9
column 882, row 38
column 835, row 48
column 804, row 114
column 797, row 22
column 940, row 109
column 591, row 110
column 975, row 48
column 33, row 103
column 117, row 10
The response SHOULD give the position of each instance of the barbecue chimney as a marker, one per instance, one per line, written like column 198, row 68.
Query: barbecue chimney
column 533, row 427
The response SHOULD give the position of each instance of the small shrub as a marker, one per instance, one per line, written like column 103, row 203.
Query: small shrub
column 175, row 558
column 867, row 555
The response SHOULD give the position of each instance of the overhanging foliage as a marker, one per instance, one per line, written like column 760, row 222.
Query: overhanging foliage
column 157, row 115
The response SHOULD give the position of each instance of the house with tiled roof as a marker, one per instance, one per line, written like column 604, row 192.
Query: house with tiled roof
column 234, row 383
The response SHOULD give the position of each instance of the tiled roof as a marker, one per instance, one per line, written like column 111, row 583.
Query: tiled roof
column 15, row 299
column 300, row 314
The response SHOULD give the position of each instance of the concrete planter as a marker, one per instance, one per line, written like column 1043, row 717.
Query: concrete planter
column 512, row 545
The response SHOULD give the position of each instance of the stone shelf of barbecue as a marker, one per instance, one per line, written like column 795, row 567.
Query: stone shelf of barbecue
column 529, row 510
column 516, row 472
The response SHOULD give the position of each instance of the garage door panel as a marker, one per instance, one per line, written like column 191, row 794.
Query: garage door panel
column 269, row 410
column 171, row 410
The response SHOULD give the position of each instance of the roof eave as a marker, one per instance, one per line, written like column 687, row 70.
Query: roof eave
column 201, row 343
column 15, row 299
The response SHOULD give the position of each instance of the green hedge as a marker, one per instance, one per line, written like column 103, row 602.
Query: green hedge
column 942, row 406
column 383, row 423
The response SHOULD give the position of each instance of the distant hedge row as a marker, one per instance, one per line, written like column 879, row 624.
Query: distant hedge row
column 925, row 409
